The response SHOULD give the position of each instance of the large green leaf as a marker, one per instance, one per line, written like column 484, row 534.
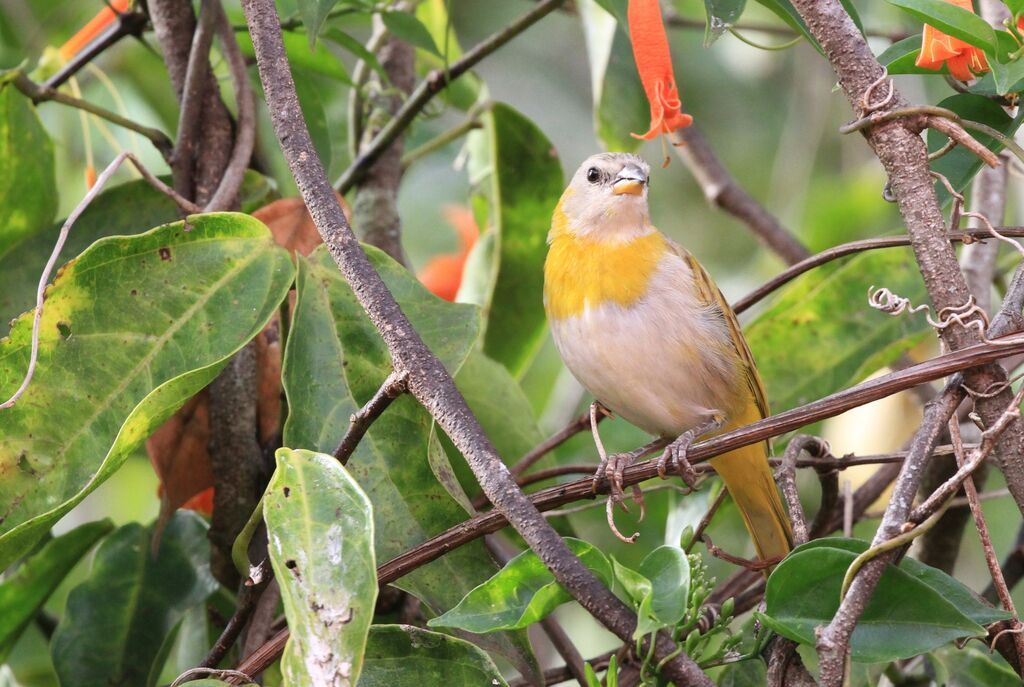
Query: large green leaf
column 970, row 667
column 660, row 588
column 826, row 311
column 129, row 208
column 24, row 592
column 960, row 165
column 320, row 528
column 333, row 363
column 132, row 328
column 620, row 106
column 904, row 617
column 117, row 622
column 406, row 656
column 952, row 19
column 901, row 57
column 28, row 189
column 514, row 167
column 947, row 586
column 520, row 594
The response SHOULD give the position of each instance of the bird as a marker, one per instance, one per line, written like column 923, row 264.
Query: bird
column 644, row 329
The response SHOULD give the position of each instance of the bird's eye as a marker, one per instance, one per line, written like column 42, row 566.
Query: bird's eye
column 593, row 176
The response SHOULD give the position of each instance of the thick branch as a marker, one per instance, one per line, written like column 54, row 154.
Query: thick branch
column 428, row 382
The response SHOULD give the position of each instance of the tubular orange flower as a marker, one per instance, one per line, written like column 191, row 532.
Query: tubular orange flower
column 87, row 33
column 654, row 62
column 964, row 61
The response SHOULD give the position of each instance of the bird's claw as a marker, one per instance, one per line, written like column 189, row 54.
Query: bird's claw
column 678, row 451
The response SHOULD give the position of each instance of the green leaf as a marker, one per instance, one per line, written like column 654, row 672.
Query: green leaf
column 960, row 165
column 406, row 656
column 465, row 91
column 406, row 27
column 129, row 208
column 620, row 105
column 640, row 591
column 901, row 57
column 336, row 35
column 951, row 19
column 117, row 621
column 516, row 169
column 320, row 528
column 27, row 589
column 744, row 674
column 28, row 187
column 786, row 12
column 826, row 311
column 668, row 569
column 334, row 361
column 1007, row 76
column 132, row 328
column 969, row 667
column 1016, row 7
column 520, row 594
column 303, row 55
column 947, row 586
column 313, row 13
column 618, row 9
column 721, row 15
column 904, row 617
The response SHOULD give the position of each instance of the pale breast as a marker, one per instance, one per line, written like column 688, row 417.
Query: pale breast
column 663, row 363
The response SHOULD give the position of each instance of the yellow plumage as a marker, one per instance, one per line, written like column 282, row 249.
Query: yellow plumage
column 644, row 328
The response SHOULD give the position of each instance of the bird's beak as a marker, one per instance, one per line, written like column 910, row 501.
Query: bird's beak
column 630, row 181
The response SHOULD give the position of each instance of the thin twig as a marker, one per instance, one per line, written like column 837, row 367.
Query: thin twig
column 394, row 386
column 38, row 94
column 435, row 82
column 192, row 97
column 966, row 237
column 248, row 597
column 705, row 521
column 580, row 424
column 786, row 477
column 127, row 24
column 471, row 122
column 226, row 195
column 62, row 237
column 986, row 541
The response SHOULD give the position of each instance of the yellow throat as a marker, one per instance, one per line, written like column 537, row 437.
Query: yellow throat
column 582, row 271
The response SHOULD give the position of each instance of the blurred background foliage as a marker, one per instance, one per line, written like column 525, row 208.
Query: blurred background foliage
column 772, row 117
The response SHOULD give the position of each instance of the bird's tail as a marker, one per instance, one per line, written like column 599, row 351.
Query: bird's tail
column 748, row 477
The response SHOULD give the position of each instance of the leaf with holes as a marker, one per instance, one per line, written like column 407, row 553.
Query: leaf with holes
column 115, row 627
column 334, row 362
column 320, row 532
column 132, row 328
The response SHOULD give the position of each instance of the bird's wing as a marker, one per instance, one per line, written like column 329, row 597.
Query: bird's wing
column 709, row 294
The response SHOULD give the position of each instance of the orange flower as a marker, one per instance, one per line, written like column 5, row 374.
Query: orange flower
column 87, row 33
column 964, row 61
column 442, row 275
column 654, row 62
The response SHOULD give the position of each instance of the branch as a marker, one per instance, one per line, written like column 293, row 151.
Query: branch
column 429, row 382
column 375, row 207
column 192, row 97
column 127, row 24
column 721, row 189
column 967, row 237
column 393, row 387
column 38, row 94
column 434, row 83
column 787, row 480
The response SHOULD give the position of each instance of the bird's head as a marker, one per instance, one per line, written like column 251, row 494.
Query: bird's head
column 606, row 198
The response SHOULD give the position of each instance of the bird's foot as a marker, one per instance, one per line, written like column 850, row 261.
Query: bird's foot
column 676, row 453
column 612, row 468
